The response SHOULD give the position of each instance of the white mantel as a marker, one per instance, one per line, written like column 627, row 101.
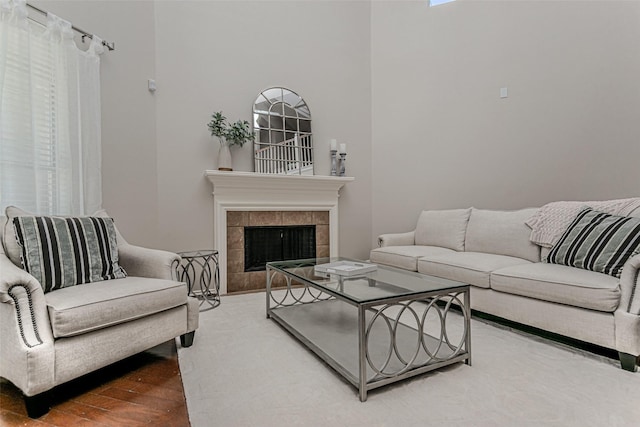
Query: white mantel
column 248, row 191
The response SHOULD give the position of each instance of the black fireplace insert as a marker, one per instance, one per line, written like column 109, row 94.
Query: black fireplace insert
column 277, row 243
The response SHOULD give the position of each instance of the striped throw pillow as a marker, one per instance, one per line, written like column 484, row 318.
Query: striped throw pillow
column 62, row 252
column 597, row 241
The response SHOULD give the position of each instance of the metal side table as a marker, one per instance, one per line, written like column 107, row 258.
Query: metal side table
column 199, row 269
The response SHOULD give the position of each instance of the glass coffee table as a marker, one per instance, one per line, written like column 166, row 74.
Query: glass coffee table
column 373, row 328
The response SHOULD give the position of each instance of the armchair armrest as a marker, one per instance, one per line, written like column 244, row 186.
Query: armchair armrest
column 26, row 353
column 11, row 276
column 630, row 286
column 397, row 239
column 23, row 293
column 152, row 263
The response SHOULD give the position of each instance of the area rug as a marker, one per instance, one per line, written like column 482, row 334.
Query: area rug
column 245, row 370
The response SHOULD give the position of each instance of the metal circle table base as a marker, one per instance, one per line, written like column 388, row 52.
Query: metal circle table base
column 199, row 269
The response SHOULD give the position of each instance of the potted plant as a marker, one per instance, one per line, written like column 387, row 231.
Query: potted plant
column 237, row 133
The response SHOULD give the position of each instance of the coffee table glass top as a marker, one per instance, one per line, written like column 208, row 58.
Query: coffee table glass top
column 383, row 283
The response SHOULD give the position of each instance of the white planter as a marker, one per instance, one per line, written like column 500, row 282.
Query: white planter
column 224, row 157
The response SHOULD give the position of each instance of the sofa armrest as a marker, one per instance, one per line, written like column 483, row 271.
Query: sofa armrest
column 397, row 239
column 630, row 286
column 145, row 262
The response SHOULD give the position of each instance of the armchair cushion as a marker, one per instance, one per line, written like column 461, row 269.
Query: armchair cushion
column 62, row 252
column 81, row 309
column 9, row 242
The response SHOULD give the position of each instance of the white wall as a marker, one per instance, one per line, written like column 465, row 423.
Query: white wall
column 219, row 55
column 413, row 90
column 208, row 56
column 443, row 138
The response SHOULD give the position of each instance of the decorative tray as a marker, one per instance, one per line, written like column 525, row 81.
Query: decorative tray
column 344, row 268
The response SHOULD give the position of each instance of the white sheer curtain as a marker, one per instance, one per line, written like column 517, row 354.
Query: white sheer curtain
column 50, row 149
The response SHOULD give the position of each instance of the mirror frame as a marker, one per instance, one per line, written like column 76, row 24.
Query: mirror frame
column 282, row 126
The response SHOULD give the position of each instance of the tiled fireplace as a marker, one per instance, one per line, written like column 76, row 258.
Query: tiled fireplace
column 246, row 199
column 240, row 280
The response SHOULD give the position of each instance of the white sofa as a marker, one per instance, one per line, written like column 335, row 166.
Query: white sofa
column 50, row 338
column 491, row 251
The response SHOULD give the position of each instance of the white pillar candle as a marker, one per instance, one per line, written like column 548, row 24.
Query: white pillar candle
column 334, row 145
column 343, row 148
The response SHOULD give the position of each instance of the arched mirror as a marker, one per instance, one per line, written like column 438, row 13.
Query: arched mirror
column 282, row 124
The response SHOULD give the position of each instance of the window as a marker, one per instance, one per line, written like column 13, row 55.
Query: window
column 49, row 117
column 438, row 2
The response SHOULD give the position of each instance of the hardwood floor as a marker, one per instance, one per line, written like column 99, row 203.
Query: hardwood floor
column 143, row 390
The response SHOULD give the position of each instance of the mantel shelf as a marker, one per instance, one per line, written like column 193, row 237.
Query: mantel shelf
column 265, row 181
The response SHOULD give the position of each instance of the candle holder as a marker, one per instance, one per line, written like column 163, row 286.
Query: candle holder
column 343, row 161
column 334, row 163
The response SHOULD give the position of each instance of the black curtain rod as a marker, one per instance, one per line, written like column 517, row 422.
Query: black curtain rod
column 110, row 46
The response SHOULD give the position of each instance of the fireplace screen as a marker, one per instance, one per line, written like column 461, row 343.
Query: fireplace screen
column 277, row 243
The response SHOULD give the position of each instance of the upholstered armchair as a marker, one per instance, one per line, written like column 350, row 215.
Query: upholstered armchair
column 49, row 338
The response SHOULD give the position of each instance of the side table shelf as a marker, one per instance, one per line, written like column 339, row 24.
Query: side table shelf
column 199, row 269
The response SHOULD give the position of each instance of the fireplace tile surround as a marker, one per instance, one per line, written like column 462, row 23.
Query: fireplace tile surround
column 241, row 198
column 237, row 279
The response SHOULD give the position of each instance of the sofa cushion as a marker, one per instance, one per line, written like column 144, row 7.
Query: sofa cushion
column 80, row 309
column 551, row 220
column 560, row 284
column 598, row 241
column 473, row 268
column 443, row 228
column 544, row 252
column 501, row 233
column 61, row 252
column 405, row 257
